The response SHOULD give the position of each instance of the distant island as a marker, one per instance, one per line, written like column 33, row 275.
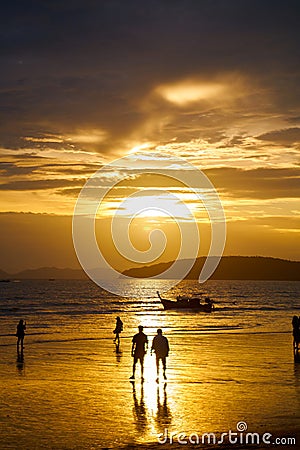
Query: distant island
column 232, row 268
column 229, row 268
column 44, row 273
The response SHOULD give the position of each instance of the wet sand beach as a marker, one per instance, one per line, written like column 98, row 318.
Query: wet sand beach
column 72, row 390
column 77, row 394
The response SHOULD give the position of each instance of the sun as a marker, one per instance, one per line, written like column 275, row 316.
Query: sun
column 153, row 213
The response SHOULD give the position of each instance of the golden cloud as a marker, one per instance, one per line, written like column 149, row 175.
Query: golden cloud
column 88, row 136
column 188, row 91
column 45, row 139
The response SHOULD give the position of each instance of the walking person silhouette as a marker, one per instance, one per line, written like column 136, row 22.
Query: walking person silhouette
column 138, row 351
column 118, row 330
column 160, row 345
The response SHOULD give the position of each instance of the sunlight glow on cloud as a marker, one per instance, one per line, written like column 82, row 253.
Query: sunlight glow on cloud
column 45, row 139
column 189, row 91
column 138, row 147
column 93, row 136
column 80, row 136
column 163, row 203
column 73, row 155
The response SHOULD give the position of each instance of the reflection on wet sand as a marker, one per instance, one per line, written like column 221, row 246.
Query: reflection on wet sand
column 297, row 374
column 139, row 410
column 118, row 353
column 160, row 411
column 297, row 356
column 163, row 415
column 20, row 361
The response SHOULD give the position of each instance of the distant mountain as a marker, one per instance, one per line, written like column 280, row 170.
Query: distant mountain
column 50, row 273
column 231, row 268
column 45, row 273
column 4, row 275
column 55, row 273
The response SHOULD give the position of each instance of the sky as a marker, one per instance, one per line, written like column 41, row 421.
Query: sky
column 83, row 83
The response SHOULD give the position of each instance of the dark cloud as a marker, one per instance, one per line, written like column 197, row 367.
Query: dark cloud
column 69, row 192
column 287, row 136
column 132, row 30
column 72, row 169
column 35, row 185
column 278, row 222
column 73, row 66
column 17, row 169
column 88, row 63
column 11, row 169
column 258, row 183
column 21, row 156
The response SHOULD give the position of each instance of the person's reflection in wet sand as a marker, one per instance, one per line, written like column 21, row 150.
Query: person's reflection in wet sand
column 118, row 353
column 20, row 361
column 297, row 374
column 297, row 386
column 163, row 415
column 139, row 410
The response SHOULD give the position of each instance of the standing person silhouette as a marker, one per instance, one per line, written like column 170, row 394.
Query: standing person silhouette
column 160, row 345
column 21, row 327
column 138, row 351
column 296, row 332
column 118, row 330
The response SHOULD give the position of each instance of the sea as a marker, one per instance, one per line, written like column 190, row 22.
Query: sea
column 70, row 388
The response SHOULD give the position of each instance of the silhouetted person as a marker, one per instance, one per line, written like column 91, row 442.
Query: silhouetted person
column 296, row 336
column 209, row 302
column 138, row 351
column 118, row 330
column 21, row 327
column 160, row 346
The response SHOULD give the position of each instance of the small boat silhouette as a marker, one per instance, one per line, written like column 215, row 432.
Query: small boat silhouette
column 184, row 302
